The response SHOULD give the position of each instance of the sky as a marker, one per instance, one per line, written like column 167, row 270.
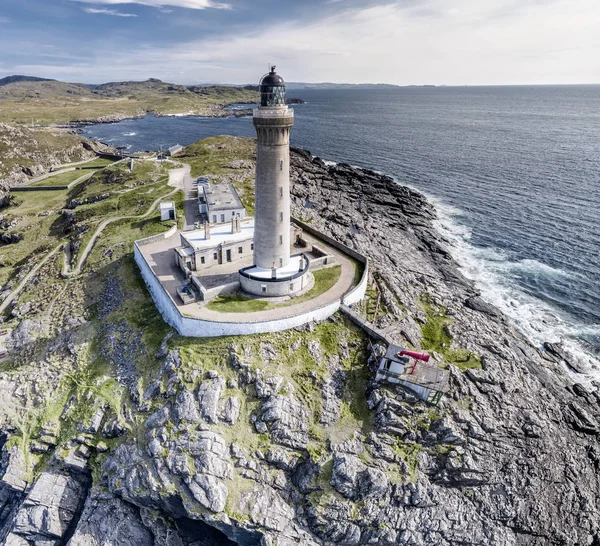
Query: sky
column 406, row 42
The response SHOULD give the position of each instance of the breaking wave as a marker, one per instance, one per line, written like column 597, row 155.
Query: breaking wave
column 498, row 277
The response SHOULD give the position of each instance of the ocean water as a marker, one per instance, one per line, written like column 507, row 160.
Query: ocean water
column 514, row 173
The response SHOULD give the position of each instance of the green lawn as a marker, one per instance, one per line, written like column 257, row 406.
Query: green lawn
column 236, row 303
column 63, row 179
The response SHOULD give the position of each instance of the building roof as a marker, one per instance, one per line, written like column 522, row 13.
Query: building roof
column 176, row 148
column 222, row 197
column 219, row 234
column 166, row 205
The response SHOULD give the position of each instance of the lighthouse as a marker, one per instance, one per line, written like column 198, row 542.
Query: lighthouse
column 275, row 271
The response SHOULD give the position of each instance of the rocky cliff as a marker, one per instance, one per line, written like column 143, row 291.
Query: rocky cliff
column 284, row 438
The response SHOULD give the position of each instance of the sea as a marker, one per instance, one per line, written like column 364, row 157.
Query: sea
column 513, row 171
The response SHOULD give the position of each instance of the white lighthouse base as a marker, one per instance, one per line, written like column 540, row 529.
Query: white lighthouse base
column 284, row 281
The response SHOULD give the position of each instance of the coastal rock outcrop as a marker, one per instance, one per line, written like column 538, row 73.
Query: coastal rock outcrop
column 285, row 439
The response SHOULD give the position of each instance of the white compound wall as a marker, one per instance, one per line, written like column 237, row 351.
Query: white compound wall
column 192, row 327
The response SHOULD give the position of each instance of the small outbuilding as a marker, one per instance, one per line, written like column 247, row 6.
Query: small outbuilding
column 175, row 149
column 167, row 211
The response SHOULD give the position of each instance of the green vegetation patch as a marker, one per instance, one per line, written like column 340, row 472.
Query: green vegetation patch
column 436, row 337
column 325, row 279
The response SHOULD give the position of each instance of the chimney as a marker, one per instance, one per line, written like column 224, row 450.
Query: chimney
column 233, row 226
column 238, row 224
column 206, row 231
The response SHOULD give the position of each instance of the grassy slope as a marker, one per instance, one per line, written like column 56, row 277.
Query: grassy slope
column 23, row 147
column 56, row 102
column 147, row 182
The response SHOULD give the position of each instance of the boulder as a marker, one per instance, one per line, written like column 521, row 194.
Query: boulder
column 286, row 419
column 209, row 393
column 356, row 481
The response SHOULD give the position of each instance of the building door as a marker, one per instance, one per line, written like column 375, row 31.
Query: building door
column 220, row 255
column 228, row 253
column 171, row 214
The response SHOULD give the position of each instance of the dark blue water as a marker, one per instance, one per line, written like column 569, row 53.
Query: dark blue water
column 514, row 171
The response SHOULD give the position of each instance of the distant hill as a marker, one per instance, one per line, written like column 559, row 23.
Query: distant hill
column 328, row 85
column 18, row 78
column 47, row 102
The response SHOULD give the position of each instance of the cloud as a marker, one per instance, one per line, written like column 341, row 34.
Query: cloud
column 190, row 4
column 4, row 20
column 108, row 12
column 417, row 42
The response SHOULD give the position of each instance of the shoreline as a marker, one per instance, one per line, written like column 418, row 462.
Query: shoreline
column 221, row 112
column 436, row 238
column 545, row 327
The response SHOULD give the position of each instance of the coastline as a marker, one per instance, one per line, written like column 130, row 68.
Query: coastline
column 430, row 222
column 341, row 458
column 545, row 327
column 221, row 112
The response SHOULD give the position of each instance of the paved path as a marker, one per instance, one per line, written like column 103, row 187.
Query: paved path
column 89, row 247
column 27, row 278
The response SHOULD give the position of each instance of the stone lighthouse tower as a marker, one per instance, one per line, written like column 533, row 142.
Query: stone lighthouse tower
column 273, row 121
column 275, row 271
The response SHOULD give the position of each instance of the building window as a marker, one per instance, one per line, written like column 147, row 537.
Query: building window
column 263, row 288
column 281, row 191
column 202, row 260
column 240, row 249
column 222, row 217
column 214, row 218
column 233, row 213
column 280, row 262
column 281, row 216
column 281, row 239
column 291, row 286
column 251, row 246
column 215, row 256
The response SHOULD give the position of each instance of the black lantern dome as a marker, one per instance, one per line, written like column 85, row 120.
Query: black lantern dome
column 272, row 89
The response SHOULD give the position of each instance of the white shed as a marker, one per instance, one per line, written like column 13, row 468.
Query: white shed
column 167, row 210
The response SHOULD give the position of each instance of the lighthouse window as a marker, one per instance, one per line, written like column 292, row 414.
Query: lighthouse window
column 281, row 239
column 281, row 164
column 281, row 216
column 251, row 246
column 263, row 288
column 281, row 192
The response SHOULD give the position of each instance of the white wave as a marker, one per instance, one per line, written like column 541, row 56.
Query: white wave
column 537, row 268
column 330, row 163
column 538, row 320
column 129, row 134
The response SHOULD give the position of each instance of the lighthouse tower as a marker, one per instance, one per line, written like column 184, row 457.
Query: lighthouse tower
column 275, row 271
column 273, row 121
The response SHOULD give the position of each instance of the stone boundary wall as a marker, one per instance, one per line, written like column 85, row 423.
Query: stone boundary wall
column 358, row 292
column 156, row 238
column 37, row 188
column 330, row 241
column 363, row 324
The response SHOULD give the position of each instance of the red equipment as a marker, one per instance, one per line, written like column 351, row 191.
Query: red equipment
column 418, row 356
